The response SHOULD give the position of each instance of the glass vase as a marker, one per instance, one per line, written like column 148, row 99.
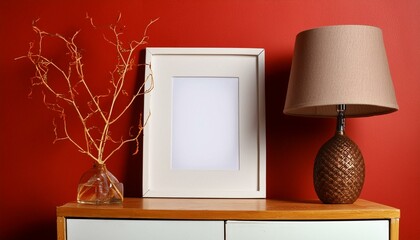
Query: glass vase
column 99, row 186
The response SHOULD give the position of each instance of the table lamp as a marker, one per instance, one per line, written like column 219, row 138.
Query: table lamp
column 340, row 71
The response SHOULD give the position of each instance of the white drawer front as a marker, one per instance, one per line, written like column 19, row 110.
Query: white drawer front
column 89, row 229
column 308, row 230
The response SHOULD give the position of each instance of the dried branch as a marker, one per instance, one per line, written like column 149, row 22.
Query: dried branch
column 73, row 77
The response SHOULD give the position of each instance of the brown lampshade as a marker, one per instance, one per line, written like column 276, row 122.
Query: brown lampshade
column 335, row 65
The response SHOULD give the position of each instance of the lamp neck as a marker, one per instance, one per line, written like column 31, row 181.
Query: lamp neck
column 341, row 119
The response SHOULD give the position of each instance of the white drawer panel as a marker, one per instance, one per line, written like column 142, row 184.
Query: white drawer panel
column 89, row 229
column 308, row 230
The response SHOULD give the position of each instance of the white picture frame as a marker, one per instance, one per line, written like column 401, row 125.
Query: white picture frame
column 205, row 136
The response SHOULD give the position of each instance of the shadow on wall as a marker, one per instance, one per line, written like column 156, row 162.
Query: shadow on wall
column 291, row 148
column 134, row 171
column 41, row 230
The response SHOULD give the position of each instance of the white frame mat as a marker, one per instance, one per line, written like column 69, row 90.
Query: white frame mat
column 205, row 136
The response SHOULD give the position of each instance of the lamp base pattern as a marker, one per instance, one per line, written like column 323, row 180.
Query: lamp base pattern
column 339, row 171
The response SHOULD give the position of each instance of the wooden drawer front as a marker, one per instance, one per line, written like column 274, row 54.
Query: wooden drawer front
column 81, row 229
column 308, row 230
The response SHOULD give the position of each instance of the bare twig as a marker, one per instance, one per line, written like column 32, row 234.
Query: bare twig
column 73, row 76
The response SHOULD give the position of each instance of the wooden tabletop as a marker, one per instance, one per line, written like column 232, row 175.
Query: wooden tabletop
column 228, row 209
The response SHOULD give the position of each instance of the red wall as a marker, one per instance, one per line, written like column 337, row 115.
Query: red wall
column 36, row 175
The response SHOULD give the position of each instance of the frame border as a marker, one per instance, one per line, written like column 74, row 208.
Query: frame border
column 259, row 54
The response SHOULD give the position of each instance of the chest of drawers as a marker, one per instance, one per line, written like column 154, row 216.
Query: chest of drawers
column 227, row 219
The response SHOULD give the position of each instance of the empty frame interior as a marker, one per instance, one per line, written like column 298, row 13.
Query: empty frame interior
column 206, row 133
column 205, row 126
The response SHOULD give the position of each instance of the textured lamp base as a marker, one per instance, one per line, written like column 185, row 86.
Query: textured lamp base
column 339, row 171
